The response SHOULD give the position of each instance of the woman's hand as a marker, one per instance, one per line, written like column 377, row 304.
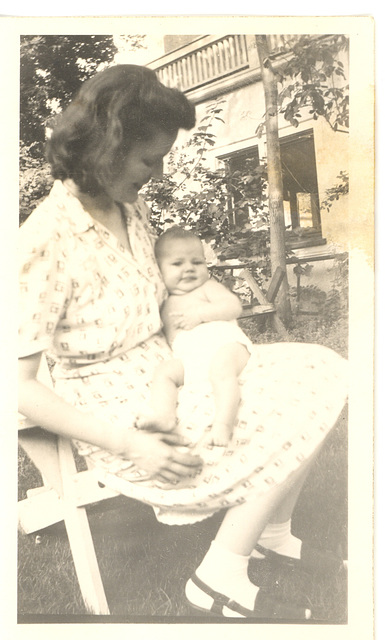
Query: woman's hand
column 164, row 456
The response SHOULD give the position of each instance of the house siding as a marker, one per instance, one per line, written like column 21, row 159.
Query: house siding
column 243, row 108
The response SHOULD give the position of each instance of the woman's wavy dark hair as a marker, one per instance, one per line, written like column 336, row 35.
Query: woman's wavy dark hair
column 115, row 108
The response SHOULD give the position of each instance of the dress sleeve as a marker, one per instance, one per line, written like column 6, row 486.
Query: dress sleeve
column 44, row 284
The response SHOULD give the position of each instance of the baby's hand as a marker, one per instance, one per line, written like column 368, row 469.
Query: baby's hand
column 152, row 422
column 186, row 320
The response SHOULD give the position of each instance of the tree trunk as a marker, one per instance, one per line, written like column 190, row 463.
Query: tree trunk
column 274, row 173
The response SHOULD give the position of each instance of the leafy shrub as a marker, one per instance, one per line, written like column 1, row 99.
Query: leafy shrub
column 35, row 181
column 341, row 188
column 196, row 196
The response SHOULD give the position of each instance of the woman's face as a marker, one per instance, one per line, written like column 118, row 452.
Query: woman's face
column 143, row 162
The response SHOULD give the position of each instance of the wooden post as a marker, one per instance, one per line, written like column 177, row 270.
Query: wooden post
column 274, row 171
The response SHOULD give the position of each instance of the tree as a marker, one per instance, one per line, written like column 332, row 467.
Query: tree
column 274, row 174
column 52, row 67
column 307, row 70
column 304, row 74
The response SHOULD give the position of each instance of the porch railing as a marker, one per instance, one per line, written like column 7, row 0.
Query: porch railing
column 209, row 59
column 212, row 62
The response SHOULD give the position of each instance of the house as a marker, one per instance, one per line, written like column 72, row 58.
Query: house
column 313, row 154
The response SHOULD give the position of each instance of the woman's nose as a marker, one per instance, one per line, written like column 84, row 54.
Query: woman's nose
column 157, row 171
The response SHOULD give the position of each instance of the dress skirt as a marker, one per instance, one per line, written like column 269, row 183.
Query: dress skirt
column 292, row 395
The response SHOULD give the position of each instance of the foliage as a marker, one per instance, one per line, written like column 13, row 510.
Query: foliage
column 52, row 67
column 199, row 197
column 34, row 183
column 195, row 195
column 331, row 306
column 132, row 42
column 322, row 317
column 313, row 77
column 341, row 188
column 337, row 300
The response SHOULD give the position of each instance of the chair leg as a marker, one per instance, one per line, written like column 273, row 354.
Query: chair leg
column 279, row 326
column 273, row 290
column 80, row 538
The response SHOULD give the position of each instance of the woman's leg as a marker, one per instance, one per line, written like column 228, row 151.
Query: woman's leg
column 286, row 507
column 234, row 535
column 224, row 568
column 277, row 535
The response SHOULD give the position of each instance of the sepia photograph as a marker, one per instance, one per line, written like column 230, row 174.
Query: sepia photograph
column 174, row 188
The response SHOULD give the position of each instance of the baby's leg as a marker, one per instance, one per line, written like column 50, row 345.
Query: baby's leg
column 227, row 364
column 161, row 416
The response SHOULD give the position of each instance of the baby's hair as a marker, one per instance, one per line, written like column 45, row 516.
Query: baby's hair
column 173, row 233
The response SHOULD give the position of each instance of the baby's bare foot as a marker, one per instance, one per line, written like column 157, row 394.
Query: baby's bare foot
column 219, row 435
column 152, row 422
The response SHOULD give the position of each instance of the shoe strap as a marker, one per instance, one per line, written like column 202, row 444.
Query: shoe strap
column 265, row 606
column 312, row 559
column 219, row 599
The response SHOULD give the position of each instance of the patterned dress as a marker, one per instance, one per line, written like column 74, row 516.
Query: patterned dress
column 94, row 308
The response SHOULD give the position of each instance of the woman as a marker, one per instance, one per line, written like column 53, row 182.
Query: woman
column 91, row 291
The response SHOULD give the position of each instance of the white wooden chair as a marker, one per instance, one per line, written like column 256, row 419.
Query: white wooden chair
column 66, row 491
column 266, row 303
column 63, row 497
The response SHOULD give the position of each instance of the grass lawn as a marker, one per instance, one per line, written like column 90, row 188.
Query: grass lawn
column 145, row 565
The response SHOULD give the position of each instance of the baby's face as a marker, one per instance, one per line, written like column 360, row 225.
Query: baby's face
column 183, row 265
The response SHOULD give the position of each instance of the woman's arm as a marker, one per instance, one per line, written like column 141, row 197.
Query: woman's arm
column 152, row 452
column 44, row 407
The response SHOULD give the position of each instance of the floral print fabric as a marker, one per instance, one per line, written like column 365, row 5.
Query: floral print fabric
column 94, row 307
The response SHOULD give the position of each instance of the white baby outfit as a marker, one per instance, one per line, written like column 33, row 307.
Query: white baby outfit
column 198, row 346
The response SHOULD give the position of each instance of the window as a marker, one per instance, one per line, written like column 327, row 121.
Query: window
column 300, row 189
column 237, row 164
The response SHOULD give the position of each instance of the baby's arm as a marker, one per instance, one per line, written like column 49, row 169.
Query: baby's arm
column 219, row 302
column 212, row 301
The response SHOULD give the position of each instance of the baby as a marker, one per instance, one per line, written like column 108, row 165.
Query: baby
column 199, row 319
